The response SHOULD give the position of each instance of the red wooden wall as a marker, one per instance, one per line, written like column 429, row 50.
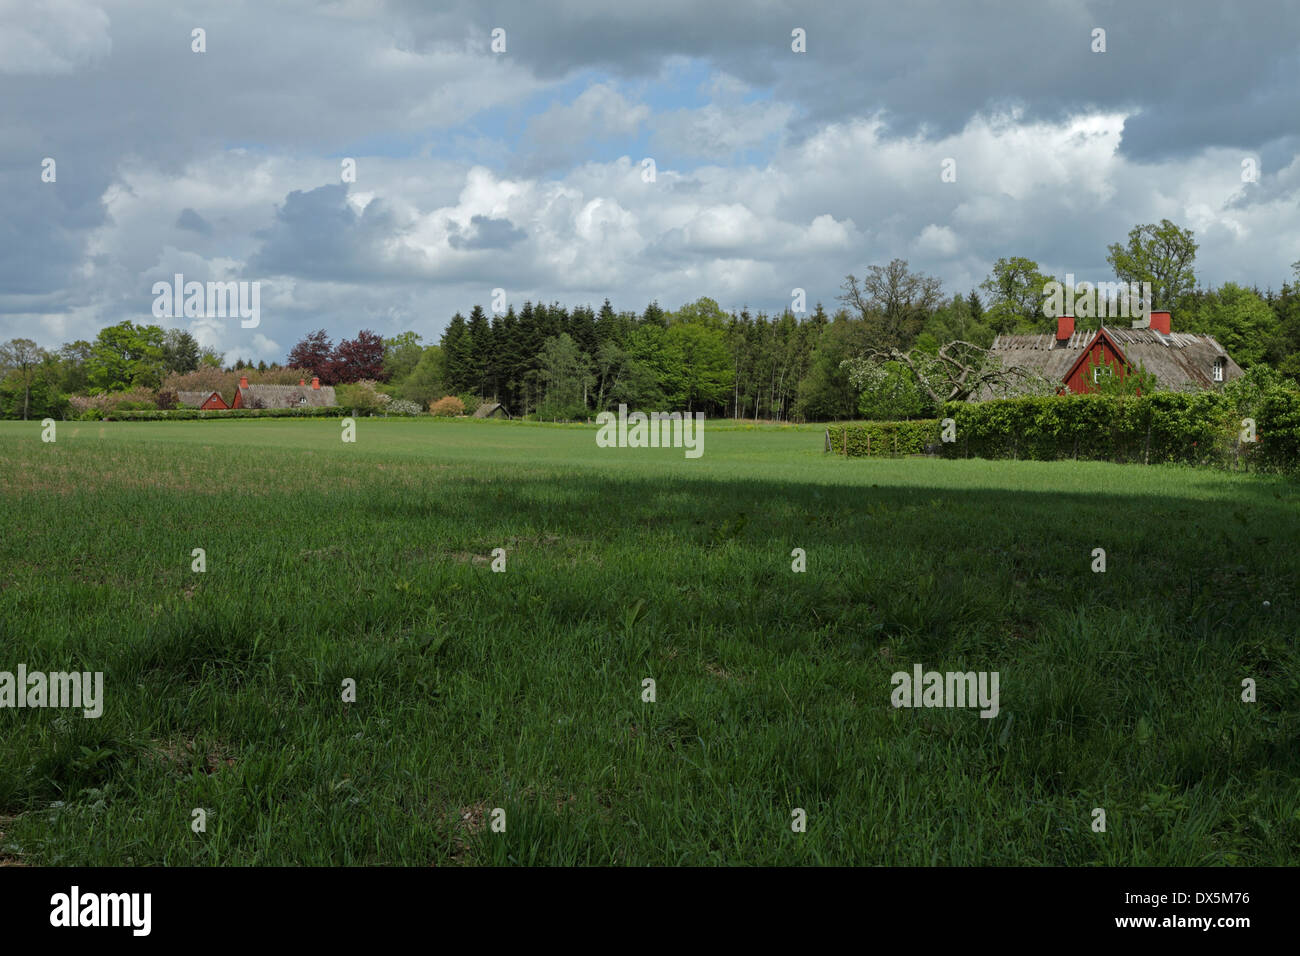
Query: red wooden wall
column 1099, row 352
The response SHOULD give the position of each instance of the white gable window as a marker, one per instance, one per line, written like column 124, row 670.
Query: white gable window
column 1218, row 369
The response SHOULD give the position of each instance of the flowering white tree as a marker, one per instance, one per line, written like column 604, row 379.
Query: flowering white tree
column 954, row 373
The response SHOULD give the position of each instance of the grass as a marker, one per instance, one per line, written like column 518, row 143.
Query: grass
column 522, row 690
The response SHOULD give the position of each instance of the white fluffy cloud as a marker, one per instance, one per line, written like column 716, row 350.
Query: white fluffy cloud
column 523, row 171
column 839, row 200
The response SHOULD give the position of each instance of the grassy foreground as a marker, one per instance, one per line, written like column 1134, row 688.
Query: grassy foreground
column 522, row 690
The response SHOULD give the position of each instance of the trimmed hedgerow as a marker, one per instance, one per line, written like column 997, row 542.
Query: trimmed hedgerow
column 1201, row 428
column 197, row 414
column 1192, row 428
column 883, row 439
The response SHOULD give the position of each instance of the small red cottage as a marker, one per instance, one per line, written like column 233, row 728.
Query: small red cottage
column 207, row 401
column 1101, row 356
column 301, row 395
column 1180, row 361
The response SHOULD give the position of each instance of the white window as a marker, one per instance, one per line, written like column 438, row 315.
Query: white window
column 1218, row 369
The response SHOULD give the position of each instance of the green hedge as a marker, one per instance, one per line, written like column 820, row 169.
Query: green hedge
column 1196, row 428
column 883, row 439
column 1201, row 428
column 1161, row 427
column 1277, row 420
column 196, row 414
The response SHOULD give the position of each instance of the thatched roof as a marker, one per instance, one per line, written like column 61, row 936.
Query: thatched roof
column 194, row 399
column 1180, row 361
column 286, row 396
column 488, row 409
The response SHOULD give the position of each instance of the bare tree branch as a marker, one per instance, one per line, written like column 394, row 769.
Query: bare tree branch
column 956, row 372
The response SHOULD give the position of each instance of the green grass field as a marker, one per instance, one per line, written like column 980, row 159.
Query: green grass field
column 522, row 690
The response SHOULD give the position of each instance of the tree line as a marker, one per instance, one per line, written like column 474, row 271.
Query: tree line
column 562, row 363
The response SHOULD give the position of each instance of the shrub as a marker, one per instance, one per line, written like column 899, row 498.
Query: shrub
column 137, row 399
column 447, row 406
column 82, row 406
column 363, row 395
column 400, row 406
column 559, row 410
column 470, row 403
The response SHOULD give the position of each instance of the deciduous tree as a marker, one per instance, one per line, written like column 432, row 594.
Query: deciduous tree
column 893, row 301
column 21, row 357
column 1160, row 254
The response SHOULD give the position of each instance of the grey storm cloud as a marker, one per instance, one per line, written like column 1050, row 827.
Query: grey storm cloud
column 485, row 233
column 1202, row 73
column 317, row 234
column 80, row 83
column 191, row 221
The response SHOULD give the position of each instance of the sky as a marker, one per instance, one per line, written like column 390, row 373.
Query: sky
column 632, row 151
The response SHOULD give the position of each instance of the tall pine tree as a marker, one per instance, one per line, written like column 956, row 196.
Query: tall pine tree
column 480, row 352
column 456, row 355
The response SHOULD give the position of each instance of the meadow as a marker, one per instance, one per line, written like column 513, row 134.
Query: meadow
column 523, row 689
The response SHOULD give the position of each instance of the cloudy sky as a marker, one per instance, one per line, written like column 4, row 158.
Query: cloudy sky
column 526, row 169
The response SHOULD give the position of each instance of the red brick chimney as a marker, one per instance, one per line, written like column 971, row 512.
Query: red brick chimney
column 1160, row 322
column 1064, row 327
column 315, row 382
column 243, row 381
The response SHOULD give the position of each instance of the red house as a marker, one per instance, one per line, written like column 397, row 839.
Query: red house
column 1101, row 356
column 301, row 395
column 1180, row 361
column 207, row 401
